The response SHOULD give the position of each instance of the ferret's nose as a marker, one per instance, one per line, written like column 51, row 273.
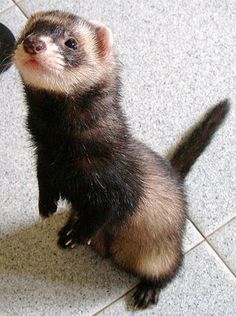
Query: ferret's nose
column 33, row 45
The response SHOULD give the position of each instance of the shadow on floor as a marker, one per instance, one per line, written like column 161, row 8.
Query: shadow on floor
column 33, row 251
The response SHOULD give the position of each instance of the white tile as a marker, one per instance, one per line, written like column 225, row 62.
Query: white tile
column 224, row 242
column 18, row 191
column 211, row 186
column 4, row 4
column 13, row 19
column 204, row 286
column 38, row 278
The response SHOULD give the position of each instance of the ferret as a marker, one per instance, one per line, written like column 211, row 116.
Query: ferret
column 128, row 203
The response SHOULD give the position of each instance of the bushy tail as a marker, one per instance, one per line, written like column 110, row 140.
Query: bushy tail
column 195, row 142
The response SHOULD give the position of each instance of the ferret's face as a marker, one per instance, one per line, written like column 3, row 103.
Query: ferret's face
column 61, row 52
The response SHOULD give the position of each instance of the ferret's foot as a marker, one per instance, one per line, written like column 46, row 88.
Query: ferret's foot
column 67, row 237
column 146, row 294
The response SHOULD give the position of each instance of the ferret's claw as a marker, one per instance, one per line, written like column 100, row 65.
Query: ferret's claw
column 69, row 232
column 68, row 242
column 89, row 242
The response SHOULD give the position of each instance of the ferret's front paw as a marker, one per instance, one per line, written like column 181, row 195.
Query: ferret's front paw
column 68, row 238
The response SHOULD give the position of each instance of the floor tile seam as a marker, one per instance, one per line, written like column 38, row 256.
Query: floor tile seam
column 205, row 236
column 116, row 300
column 221, row 258
column 17, row 4
column 220, row 227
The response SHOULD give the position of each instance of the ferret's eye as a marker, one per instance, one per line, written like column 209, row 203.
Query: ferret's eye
column 71, row 43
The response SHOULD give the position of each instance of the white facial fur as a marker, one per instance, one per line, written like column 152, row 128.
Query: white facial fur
column 52, row 73
column 49, row 69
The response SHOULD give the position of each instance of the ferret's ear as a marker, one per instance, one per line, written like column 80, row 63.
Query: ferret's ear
column 104, row 38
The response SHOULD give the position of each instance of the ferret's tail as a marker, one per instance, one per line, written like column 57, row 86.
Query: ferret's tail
column 195, row 142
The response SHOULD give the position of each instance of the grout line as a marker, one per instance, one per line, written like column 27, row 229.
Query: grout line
column 221, row 258
column 19, row 7
column 219, row 228
column 195, row 246
column 196, row 227
column 211, row 246
column 105, row 307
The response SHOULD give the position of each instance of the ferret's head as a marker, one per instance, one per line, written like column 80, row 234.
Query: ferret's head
column 61, row 52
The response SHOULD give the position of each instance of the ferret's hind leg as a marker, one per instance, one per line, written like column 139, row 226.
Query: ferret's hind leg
column 155, row 266
column 148, row 290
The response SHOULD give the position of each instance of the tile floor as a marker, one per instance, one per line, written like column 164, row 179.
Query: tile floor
column 179, row 59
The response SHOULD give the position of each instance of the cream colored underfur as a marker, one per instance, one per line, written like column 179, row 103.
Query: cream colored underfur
column 148, row 243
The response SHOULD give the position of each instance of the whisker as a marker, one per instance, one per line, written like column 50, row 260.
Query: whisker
column 81, row 74
column 7, row 57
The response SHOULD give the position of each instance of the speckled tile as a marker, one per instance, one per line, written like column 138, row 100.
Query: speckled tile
column 57, row 282
column 18, row 191
column 38, row 278
column 13, row 19
column 204, row 286
column 224, row 242
column 211, row 186
column 4, row 4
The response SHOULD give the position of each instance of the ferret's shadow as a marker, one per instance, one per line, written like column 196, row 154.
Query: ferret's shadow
column 32, row 253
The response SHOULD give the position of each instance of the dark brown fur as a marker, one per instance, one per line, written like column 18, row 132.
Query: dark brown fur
column 127, row 201
column 194, row 143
